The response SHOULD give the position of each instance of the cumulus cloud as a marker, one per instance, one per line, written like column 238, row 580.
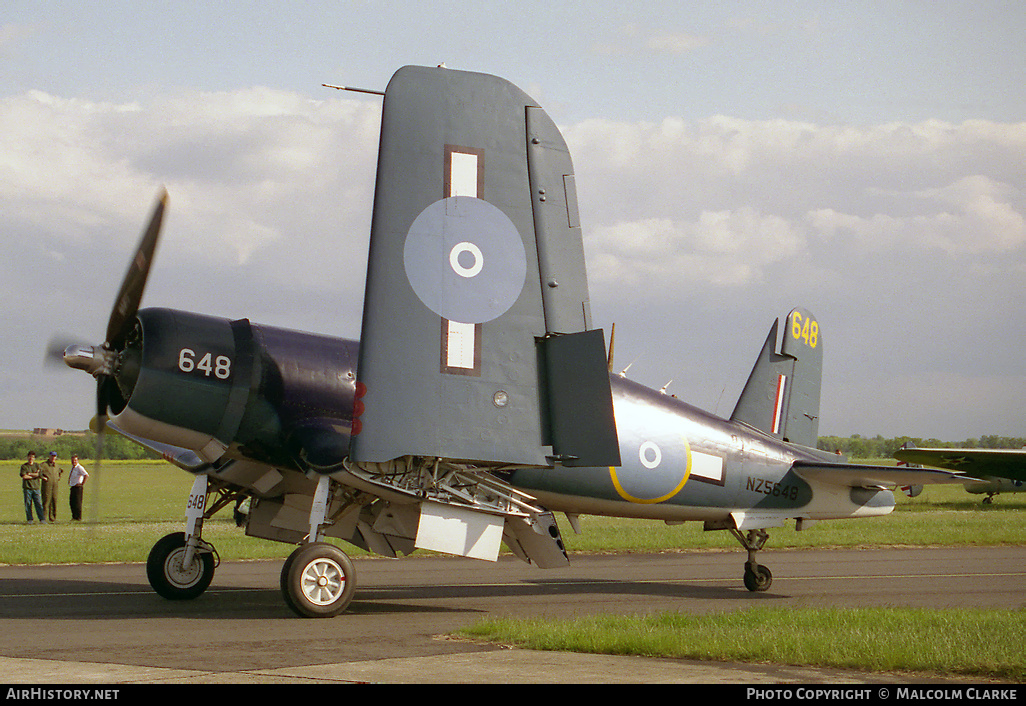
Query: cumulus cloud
column 242, row 167
column 676, row 43
column 964, row 222
column 907, row 238
column 736, row 196
column 719, row 248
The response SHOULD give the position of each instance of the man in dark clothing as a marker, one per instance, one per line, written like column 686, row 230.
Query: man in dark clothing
column 30, row 487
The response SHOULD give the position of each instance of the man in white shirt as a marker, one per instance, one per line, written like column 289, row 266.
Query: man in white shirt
column 76, row 479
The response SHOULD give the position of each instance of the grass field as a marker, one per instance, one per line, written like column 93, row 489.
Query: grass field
column 135, row 503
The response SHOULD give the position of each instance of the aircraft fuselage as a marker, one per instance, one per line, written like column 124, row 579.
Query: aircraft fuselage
column 233, row 389
column 681, row 463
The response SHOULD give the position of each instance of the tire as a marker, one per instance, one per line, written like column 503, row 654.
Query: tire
column 758, row 578
column 318, row 580
column 167, row 575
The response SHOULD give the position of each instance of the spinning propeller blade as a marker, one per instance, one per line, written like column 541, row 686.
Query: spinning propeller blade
column 126, row 306
column 127, row 303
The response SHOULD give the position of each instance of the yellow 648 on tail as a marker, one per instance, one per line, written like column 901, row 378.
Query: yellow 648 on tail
column 804, row 329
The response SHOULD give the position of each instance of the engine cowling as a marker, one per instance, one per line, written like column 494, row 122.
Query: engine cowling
column 222, row 387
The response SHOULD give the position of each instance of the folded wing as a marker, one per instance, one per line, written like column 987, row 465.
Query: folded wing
column 998, row 463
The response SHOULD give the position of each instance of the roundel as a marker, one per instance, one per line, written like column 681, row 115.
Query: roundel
column 656, row 484
column 465, row 260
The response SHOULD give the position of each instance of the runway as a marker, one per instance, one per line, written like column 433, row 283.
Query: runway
column 103, row 624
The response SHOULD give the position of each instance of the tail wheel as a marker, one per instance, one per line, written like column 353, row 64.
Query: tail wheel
column 318, row 580
column 757, row 577
column 168, row 574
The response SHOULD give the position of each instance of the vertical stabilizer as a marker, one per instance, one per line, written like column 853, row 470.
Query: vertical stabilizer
column 476, row 265
column 782, row 394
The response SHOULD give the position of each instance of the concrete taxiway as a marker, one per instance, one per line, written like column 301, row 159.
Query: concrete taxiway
column 102, row 624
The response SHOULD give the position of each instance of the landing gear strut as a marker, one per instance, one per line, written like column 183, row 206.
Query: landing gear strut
column 757, row 577
column 181, row 565
column 318, row 579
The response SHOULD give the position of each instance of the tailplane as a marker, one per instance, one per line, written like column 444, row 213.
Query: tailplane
column 782, row 394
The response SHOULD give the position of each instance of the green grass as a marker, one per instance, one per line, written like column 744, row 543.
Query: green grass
column 970, row 643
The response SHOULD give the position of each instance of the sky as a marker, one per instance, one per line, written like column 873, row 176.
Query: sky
column 865, row 160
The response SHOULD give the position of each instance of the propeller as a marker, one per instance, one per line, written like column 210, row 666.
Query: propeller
column 117, row 353
column 104, row 361
column 127, row 303
column 55, row 349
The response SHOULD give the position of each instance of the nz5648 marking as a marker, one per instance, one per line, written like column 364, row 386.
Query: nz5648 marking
column 768, row 487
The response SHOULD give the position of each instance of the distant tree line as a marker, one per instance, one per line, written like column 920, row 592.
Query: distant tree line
column 117, row 447
column 878, row 447
column 84, row 445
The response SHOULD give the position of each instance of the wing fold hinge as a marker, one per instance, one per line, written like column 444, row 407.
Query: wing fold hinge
column 455, row 509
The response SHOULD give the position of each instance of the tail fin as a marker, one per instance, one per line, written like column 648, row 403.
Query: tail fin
column 476, row 343
column 782, row 394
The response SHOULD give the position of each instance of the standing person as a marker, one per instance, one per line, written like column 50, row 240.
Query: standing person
column 30, row 487
column 76, row 479
column 51, row 474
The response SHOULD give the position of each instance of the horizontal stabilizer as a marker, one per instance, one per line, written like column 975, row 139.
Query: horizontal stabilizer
column 854, row 475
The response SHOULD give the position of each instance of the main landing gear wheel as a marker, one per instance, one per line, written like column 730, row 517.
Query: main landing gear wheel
column 168, row 575
column 757, row 577
column 318, row 580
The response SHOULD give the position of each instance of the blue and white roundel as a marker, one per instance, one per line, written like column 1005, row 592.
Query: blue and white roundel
column 465, row 260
